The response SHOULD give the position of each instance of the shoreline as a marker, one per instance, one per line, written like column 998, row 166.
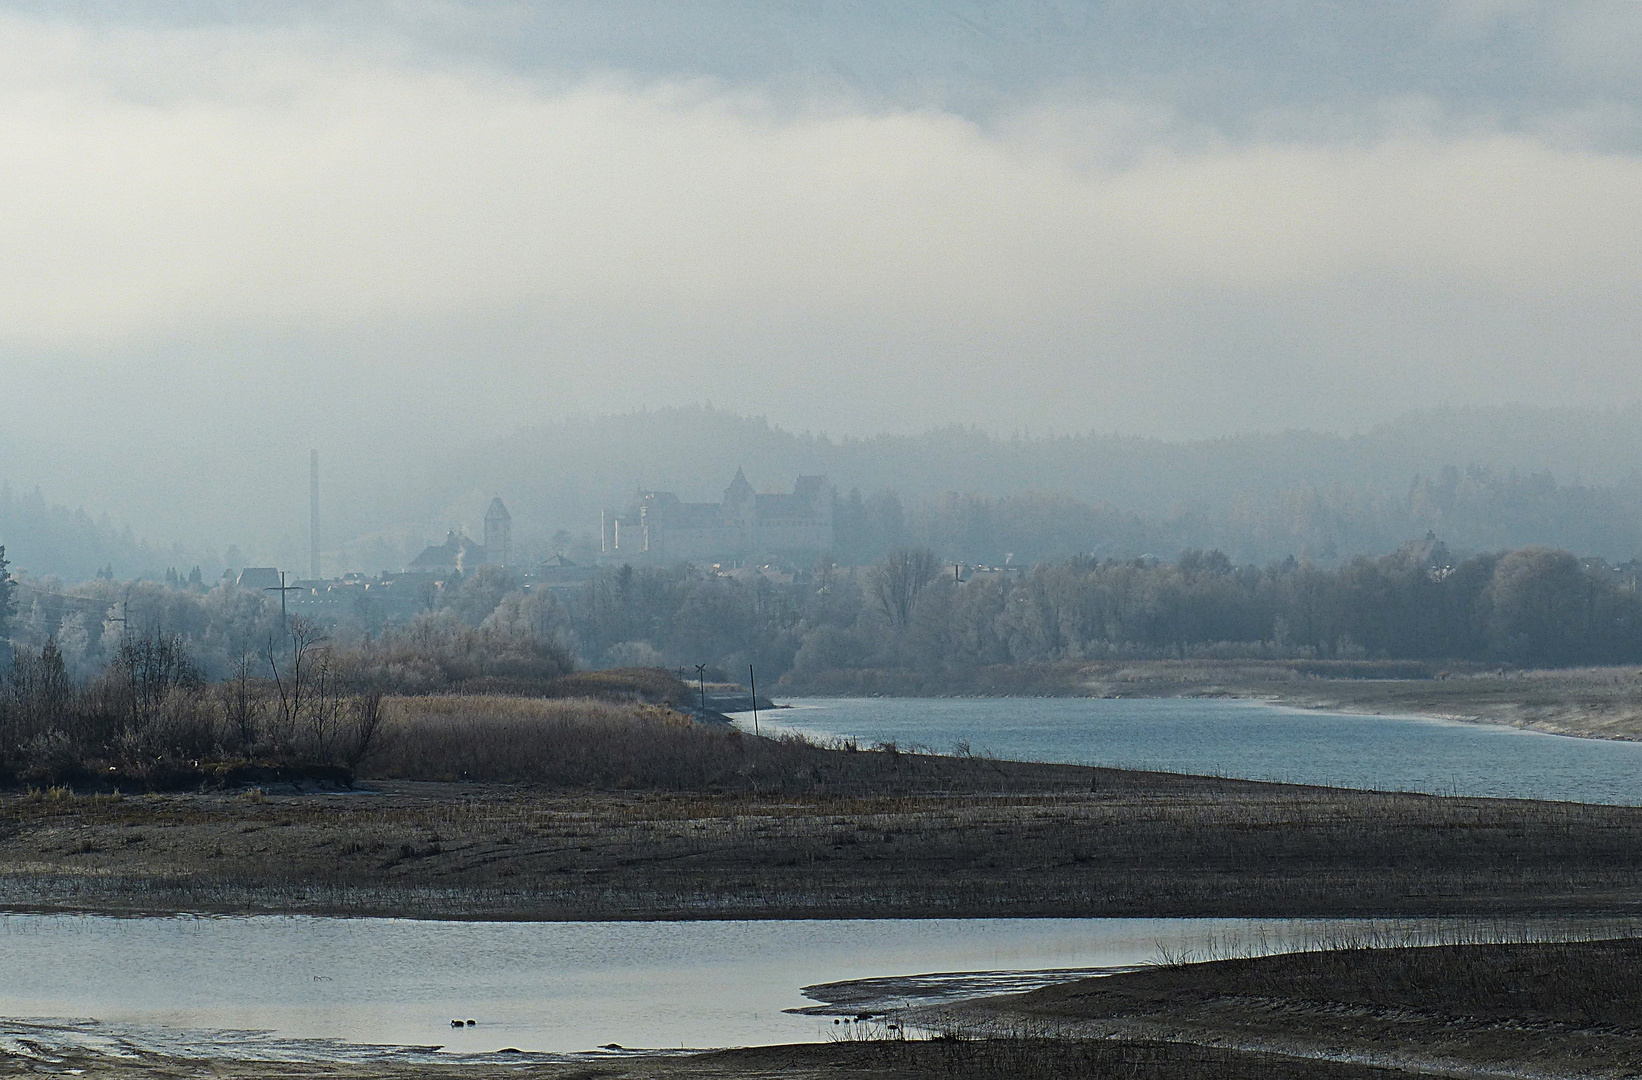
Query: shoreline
column 1350, row 1013
column 1601, row 703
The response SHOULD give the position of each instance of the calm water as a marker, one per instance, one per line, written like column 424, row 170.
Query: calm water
column 1245, row 739
column 317, row 987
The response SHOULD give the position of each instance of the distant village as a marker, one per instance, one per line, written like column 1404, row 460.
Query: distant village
column 778, row 535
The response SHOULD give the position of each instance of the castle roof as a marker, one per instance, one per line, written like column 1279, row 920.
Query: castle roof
column 739, row 490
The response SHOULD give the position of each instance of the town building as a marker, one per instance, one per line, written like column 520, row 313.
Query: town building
column 661, row 527
column 460, row 554
column 259, row 578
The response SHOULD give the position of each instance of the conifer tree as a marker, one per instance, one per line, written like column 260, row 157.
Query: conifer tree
column 7, row 585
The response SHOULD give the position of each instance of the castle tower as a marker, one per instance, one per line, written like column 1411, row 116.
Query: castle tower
column 498, row 533
column 739, row 490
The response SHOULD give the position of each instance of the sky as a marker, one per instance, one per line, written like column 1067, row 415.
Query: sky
column 236, row 230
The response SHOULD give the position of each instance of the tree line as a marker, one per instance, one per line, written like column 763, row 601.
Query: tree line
column 911, row 610
column 1476, row 509
column 183, row 676
column 914, row 609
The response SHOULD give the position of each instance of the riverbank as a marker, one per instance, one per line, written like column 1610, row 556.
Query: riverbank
column 1544, row 1010
column 928, row 837
column 1597, row 702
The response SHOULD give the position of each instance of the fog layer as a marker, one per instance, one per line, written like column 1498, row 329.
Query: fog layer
column 391, row 231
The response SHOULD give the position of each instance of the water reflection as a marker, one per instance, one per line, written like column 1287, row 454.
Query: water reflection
column 1247, row 739
column 259, row 983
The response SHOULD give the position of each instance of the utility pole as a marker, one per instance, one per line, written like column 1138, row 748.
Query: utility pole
column 125, row 605
column 282, row 589
column 752, row 683
column 313, row 515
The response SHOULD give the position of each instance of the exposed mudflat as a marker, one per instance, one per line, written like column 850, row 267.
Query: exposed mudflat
column 1551, row 1010
column 1054, row 841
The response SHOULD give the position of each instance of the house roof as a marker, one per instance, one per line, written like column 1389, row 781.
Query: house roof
column 258, row 577
column 457, row 548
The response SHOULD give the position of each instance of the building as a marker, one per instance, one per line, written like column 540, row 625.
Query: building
column 460, row 554
column 661, row 527
column 457, row 554
column 259, row 578
column 498, row 533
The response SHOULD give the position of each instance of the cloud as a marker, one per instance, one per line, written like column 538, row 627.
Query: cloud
column 221, row 215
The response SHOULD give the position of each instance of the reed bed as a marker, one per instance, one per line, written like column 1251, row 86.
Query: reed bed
column 573, row 743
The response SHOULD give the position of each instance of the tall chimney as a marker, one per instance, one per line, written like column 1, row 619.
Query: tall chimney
column 313, row 514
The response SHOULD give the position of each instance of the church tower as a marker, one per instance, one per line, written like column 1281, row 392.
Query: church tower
column 498, row 533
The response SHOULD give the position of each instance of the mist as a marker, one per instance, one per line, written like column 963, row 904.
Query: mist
column 406, row 234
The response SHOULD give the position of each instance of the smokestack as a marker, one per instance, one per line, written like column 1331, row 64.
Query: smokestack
column 313, row 514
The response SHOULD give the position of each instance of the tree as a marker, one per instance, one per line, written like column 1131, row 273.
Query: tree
column 306, row 638
column 897, row 581
column 7, row 599
column 150, row 667
column 1541, row 607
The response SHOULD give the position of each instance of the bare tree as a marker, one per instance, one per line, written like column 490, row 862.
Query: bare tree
column 367, row 730
column 151, row 667
column 241, row 704
column 897, row 581
column 306, row 638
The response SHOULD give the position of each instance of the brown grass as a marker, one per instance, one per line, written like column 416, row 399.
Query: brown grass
column 580, row 743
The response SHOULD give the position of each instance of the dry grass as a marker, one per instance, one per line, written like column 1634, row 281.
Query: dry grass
column 582, row 742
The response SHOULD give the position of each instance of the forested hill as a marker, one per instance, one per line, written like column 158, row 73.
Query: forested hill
column 42, row 540
column 1482, row 480
column 697, row 450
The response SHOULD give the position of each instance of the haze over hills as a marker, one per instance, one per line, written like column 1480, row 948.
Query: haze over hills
column 394, row 230
column 1482, row 479
column 470, row 249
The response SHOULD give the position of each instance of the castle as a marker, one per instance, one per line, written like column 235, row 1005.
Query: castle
column 660, row 527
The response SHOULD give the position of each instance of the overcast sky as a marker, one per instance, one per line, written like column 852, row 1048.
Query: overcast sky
column 231, row 230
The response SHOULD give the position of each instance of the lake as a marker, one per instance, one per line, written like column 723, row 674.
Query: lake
column 1247, row 739
column 296, row 987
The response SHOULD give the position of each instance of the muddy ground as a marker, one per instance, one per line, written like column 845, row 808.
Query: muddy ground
column 823, row 1061
column 1028, row 841
column 1550, row 1010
